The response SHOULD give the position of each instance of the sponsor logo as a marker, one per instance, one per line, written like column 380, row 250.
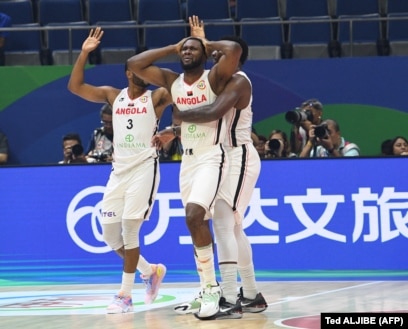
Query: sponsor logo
column 84, row 211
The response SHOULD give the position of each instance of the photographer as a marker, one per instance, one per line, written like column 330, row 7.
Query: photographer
column 325, row 140
column 100, row 145
column 278, row 146
column 73, row 150
column 310, row 113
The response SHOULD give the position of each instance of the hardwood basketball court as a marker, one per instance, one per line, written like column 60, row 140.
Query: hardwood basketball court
column 292, row 304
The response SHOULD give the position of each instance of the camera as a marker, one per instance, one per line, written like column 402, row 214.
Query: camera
column 274, row 145
column 297, row 115
column 100, row 156
column 77, row 150
column 321, row 131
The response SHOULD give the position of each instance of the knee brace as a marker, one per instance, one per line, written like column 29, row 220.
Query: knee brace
column 112, row 235
column 131, row 229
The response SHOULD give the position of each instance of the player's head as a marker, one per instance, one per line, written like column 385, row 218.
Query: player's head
column 192, row 54
column 244, row 55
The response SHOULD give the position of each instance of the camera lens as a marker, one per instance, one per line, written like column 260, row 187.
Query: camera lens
column 297, row 115
column 294, row 116
column 321, row 131
column 77, row 149
column 274, row 144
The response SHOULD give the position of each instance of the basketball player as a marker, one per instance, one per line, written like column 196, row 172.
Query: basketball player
column 233, row 246
column 204, row 163
column 136, row 112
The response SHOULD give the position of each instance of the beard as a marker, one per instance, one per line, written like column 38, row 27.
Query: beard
column 190, row 66
column 139, row 82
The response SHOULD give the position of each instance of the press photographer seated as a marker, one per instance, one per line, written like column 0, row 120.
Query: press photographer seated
column 325, row 140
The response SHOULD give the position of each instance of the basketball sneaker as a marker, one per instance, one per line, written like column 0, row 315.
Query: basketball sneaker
column 256, row 305
column 120, row 304
column 227, row 311
column 153, row 282
column 189, row 307
column 210, row 301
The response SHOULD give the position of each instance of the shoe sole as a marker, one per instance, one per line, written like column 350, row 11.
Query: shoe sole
column 254, row 309
column 130, row 310
column 220, row 316
column 184, row 310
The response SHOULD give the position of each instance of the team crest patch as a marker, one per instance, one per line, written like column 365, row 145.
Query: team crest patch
column 201, row 85
column 143, row 99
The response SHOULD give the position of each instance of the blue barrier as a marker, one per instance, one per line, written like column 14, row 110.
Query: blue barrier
column 305, row 215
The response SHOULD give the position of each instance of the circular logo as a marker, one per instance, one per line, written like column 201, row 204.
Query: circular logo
column 129, row 138
column 81, row 209
column 192, row 128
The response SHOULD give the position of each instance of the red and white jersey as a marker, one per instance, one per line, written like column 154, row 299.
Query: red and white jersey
column 134, row 124
column 185, row 96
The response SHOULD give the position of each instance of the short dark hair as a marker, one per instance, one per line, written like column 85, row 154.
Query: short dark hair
column 200, row 41
column 72, row 136
column 106, row 109
column 242, row 43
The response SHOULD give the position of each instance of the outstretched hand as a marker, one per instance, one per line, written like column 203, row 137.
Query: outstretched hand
column 196, row 27
column 93, row 40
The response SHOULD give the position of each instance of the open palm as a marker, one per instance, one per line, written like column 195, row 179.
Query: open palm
column 93, row 40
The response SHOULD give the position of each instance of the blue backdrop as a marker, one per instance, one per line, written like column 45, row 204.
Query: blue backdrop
column 368, row 93
column 346, row 215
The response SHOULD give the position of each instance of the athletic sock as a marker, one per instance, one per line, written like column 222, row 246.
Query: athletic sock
column 144, row 267
column 128, row 280
column 205, row 258
column 229, row 282
column 248, row 281
column 199, row 272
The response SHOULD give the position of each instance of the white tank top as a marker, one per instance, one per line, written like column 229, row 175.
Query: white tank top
column 239, row 123
column 185, row 96
column 134, row 124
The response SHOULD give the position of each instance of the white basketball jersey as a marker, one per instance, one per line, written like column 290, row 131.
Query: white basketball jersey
column 134, row 124
column 239, row 123
column 185, row 96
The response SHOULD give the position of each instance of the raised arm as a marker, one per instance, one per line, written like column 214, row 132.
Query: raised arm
column 227, row 64
column 76, row 83
column 142, row 65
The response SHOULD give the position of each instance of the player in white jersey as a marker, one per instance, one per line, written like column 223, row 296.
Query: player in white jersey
column 233, row 247
column 203, row 164
column 135, row 115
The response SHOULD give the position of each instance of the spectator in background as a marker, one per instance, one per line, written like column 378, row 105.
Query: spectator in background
column 260, row 147
column 101, row 143
column 325, row 140
column 73, row 150
column 4, row 148
column 278, row 145
column 398, row 146
column 386, row 147
column 300, row 129
column 5, row 21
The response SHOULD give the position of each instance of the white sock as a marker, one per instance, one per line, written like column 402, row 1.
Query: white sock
column 248, row 281
column 128, row 280
column 199, row 271
column 205, row 258
column 229, row 282
column 144, row 267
